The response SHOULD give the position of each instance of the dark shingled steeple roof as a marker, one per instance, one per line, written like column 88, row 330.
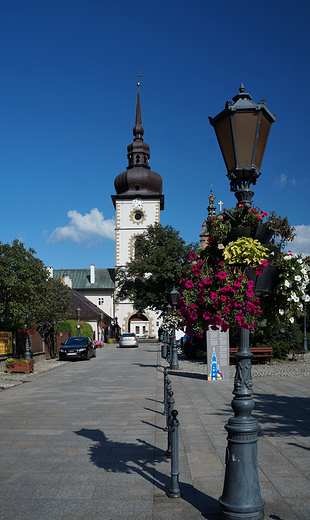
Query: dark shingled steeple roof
column 138, row 180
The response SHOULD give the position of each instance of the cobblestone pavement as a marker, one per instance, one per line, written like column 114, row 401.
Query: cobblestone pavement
column 287, row 368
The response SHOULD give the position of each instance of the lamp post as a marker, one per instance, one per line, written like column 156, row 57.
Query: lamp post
column 242, row 130
column 305, row 342
column 174, row 363
column 78, row 312
column 27, row 346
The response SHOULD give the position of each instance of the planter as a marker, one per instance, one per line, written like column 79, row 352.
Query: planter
column 273, row 250
column 26, row 368
column 262, row 234
column 236, row 233
column 266, row 282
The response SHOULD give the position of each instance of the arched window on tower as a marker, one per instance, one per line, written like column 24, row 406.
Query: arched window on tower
column 137, row 244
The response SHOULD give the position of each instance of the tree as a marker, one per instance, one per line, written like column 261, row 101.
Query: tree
column 26, row 288
column 162, row 258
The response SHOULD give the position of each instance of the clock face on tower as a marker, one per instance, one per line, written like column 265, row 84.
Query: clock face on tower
column 137, row 204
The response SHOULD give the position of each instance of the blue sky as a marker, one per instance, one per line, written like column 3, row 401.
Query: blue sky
column 67, row 108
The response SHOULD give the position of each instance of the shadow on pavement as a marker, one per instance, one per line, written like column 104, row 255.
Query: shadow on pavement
column 127, row 457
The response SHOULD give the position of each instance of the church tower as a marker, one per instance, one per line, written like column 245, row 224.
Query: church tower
column 138, row 202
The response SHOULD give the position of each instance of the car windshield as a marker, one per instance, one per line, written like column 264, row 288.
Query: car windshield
column 128, row 335
column 76, row 341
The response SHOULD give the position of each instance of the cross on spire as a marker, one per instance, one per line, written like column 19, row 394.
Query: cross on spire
column 138, row 76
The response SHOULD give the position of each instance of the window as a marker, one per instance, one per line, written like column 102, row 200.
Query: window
column 101, row 301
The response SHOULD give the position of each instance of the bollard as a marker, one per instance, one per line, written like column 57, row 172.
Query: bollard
column 170, row 401
column 165, row 390
column 174, row 491
column 168, row 389
column 164, row 351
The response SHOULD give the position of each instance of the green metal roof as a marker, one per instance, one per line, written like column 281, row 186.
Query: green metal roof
column 104, row 278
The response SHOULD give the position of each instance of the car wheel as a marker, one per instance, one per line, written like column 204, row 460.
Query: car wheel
column 88, row 356
column 95, row 353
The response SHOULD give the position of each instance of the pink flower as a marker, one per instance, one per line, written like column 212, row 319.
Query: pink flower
column 200, row 263
column 250, row 284
column 259, row 270
column 189, row 284
column 223, row 297
column 250, row 293
column 237, row 284
column 192, row 256
column 264, row 263
column 214, row 296
column 226, row 310
column 222, row 275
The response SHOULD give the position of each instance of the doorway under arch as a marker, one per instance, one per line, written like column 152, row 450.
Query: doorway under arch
column 139, row 324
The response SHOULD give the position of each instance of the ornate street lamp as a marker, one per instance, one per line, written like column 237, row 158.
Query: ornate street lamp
column 242, row 130
column 174, row 363
column 27, row 346
column 78, row 312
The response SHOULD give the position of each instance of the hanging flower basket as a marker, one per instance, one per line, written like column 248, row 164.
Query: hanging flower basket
column 262, row 234
column 236, row 233
column 264, row 282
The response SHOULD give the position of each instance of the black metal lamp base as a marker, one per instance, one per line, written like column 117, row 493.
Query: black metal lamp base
column 241, row 498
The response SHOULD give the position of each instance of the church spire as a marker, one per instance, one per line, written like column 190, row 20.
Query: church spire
column 138, row 180
column 138, row 129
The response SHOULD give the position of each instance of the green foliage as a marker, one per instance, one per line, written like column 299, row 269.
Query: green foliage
column 71, row 326
column 280, row 338
column 26, row 288
column 162, row 260
column 111, row 341
column 245, row 250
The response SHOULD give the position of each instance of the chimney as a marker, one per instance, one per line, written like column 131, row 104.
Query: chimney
column 66, row 280
column 92, row 273
column 50, row 271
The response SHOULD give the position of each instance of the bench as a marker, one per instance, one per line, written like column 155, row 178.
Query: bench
column 258, row 352
column 298, row 352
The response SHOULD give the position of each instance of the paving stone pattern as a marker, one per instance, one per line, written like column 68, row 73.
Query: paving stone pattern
column 86, row 440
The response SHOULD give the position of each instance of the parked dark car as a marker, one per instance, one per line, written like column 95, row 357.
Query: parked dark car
column 77, row 347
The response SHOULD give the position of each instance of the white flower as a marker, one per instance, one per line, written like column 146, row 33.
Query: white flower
column 287, row 283
column 287, row 257
column 299, row 260
column 301, row 306
column 307, row 298
column 297, row 278
column 304, row 271
column 281, row 312
column 292, row 319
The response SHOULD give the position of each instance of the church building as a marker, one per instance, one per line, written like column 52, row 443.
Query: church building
column 138, row 202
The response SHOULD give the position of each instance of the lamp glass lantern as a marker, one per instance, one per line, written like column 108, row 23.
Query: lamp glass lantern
column 174, row 295
column 242, row 131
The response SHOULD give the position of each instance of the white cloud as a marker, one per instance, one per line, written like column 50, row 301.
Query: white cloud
column 282, row 181
column 84, row 227
column 301, row 243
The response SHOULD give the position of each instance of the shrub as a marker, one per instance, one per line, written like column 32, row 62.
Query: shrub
column 70, row 326
column 111, row 341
